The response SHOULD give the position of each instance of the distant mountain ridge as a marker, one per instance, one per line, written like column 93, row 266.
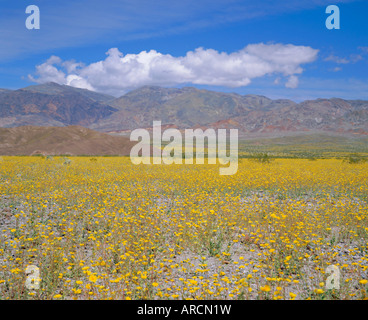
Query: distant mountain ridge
column 51, row 104
column 54, row 88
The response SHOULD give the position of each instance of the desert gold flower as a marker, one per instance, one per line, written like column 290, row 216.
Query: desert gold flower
column 318, row 291
column 265, row 288
column 292, row 295
column 280, row 223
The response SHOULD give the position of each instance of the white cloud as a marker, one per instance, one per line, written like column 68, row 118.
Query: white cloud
column 71, row 66
column 78, row 82
column 277, row 80
column 337, row 59
column 336, row 69
column 292, row 82
column 119, row 73
column 353, row 58
column 49, row 72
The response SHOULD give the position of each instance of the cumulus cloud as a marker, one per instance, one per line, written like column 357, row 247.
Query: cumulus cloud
column 48, row 71
column 119, row 73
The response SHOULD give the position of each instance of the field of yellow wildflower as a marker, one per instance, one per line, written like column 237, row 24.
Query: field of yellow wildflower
column 103, row 228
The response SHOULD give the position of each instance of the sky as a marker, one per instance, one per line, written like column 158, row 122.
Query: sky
column 279, row 49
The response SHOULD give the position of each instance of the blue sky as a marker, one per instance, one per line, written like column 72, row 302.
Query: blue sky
column 280, row 49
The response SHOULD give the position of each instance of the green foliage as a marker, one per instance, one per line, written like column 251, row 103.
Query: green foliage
column 67, row 161
column 312, row 158
column 215, row 244
column 309, row 146
column 262, row 157
column 355, row 158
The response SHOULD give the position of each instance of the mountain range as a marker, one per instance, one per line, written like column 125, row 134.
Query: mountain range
column 51, row 104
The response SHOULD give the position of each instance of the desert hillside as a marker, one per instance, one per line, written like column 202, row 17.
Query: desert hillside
column 73, row 140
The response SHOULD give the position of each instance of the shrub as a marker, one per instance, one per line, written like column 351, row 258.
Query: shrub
column 355, row 158
column 262, row 157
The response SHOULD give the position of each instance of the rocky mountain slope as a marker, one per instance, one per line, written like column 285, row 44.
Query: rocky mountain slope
column 52, row 105
column 55, row 105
